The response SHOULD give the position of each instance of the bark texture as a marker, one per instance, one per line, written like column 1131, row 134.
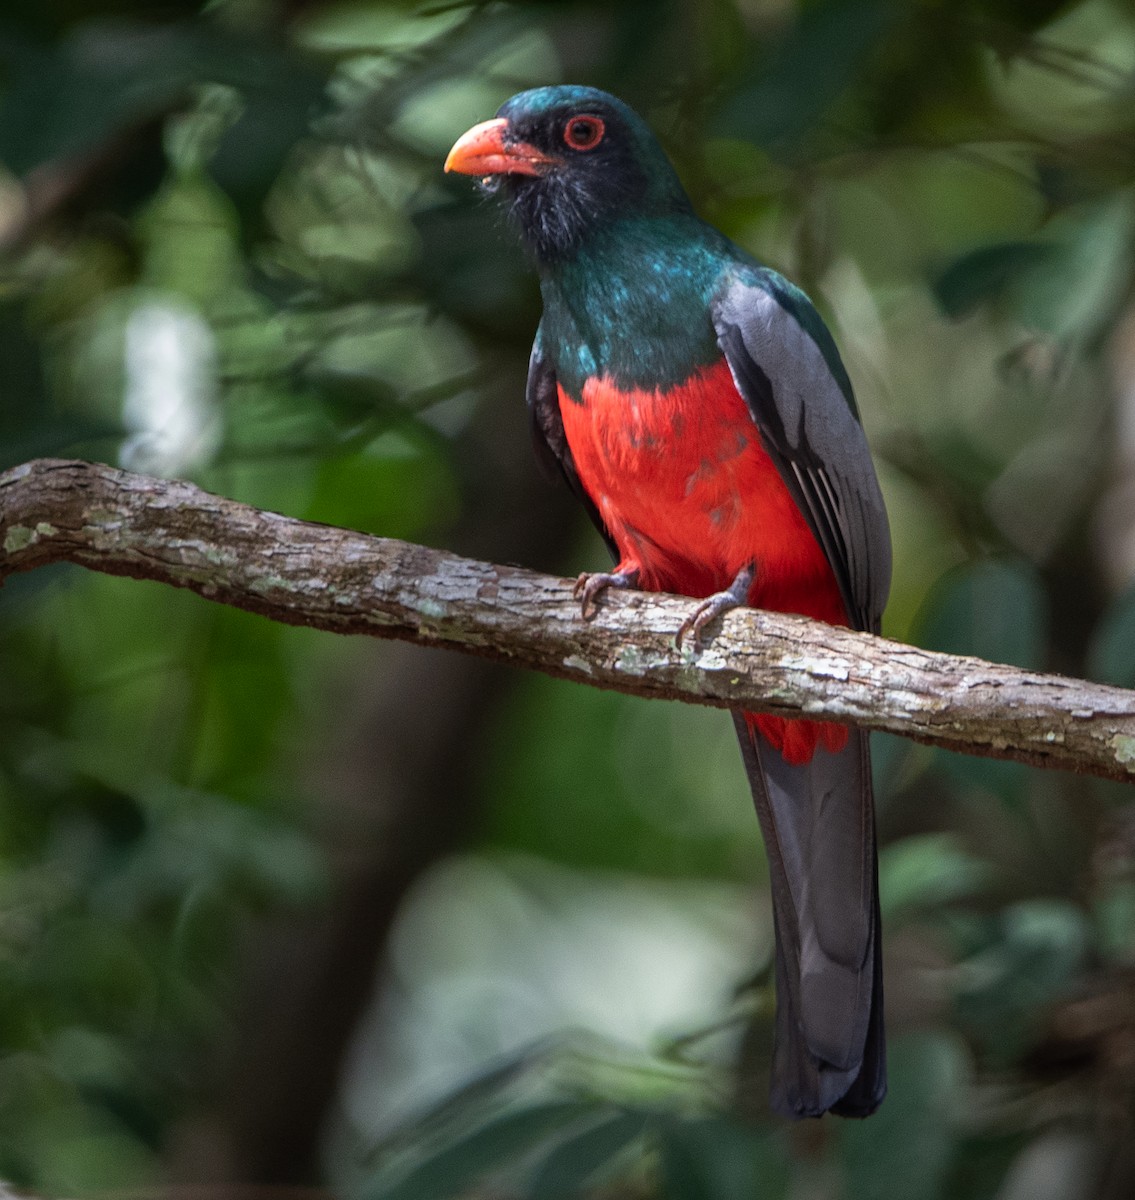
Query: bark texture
column 351, row 583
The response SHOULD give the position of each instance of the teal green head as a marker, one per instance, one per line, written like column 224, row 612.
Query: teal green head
column 570, row 161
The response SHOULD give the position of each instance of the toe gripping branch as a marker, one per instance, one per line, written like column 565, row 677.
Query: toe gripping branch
column 736, row 595
column 590, row 585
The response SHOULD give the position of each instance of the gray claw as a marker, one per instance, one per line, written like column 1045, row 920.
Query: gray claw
column 591, row 584
column 736, row 595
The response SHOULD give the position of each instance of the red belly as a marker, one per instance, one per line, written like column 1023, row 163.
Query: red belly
column 690, row 496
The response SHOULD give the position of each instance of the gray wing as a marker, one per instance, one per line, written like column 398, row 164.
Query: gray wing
column 786, row 366
column 548, row 438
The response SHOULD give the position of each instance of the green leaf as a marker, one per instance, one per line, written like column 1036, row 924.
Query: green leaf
column 1076, row 289
column 713, row 1158
column 925, row 871
column 395, row 487
column 1061, row 1163
column 31, row 424
column 993, row 608
column 983, row 274
column 63, row 99
column 904, row 1149
column 497, row 1143
column 577, row 1160
column 1114, row 912
column 252, row 151
column 981, row 1161
column 799, row 80
column 1040, row 948
column 1067, row 285
column 1022, row 14
column 1111, row 655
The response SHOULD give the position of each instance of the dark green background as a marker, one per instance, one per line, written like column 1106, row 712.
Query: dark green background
column 282, row 909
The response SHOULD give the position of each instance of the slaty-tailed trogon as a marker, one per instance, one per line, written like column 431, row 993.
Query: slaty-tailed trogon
column 697, row 405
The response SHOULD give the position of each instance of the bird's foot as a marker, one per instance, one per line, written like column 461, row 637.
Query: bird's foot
column 590, row 584
column 736, row 595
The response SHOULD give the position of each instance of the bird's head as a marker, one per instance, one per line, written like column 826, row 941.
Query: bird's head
column 570, row 160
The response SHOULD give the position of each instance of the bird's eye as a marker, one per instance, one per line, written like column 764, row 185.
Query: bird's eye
column 584, row 133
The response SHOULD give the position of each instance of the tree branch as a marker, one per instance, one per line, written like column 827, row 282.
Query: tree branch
column 345, row 582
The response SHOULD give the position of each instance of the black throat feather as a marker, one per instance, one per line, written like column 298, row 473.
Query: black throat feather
column 557, row 212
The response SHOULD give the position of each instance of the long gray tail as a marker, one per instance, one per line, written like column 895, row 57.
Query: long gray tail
column 818, row 822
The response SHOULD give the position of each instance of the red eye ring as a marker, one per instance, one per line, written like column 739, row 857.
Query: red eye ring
column 584, row 132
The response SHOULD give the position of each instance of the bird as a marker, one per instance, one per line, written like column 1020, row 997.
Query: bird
column 696, row 404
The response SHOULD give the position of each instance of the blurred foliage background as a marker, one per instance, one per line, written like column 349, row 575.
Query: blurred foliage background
column 286, row 910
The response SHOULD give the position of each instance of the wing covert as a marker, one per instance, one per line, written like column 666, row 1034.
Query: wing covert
column 548, row 438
